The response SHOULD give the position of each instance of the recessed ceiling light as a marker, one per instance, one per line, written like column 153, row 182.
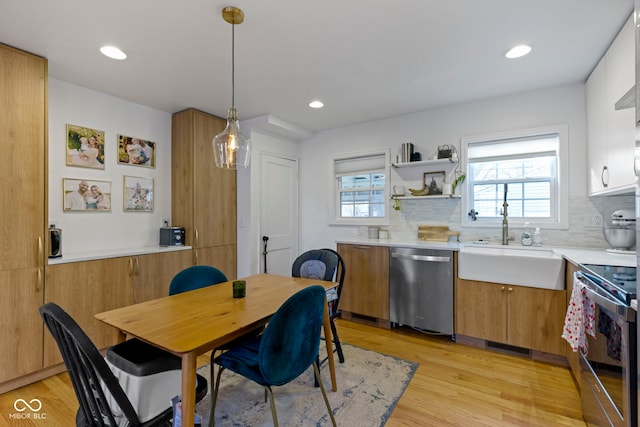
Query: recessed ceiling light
column 518, row 51
column 113, row 52
column 316, row 104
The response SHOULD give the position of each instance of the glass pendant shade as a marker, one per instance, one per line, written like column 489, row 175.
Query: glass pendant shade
column 230, row 147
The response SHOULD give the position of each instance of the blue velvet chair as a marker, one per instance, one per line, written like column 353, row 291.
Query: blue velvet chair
column 195, row 277
column 286, row 348
column 324, row 264
column 110, row 404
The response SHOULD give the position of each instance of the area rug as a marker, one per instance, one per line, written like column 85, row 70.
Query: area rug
column 369, row 387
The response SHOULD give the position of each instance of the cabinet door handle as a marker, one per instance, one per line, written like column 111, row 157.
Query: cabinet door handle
column 137, row 265
column 195, row 257
column 502, row 288
column 39, row 283
column 510, row 289
column 195, row 241
column 40, row 251
column 131, row 272
column 605, row 171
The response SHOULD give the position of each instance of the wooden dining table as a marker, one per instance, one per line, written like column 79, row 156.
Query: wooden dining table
column 192, row 323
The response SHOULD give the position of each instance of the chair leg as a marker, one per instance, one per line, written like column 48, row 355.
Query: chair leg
column 315, row 376
column 214, row 396
column 273, row 405
column 324, row 393
column 336, row 341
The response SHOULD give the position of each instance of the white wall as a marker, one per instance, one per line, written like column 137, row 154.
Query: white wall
column 427, row 130
column 249, row 233
column 91, row 231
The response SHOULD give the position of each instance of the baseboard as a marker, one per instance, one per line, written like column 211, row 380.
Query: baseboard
column 31, row 378
column 368, row 320
column 526, row 353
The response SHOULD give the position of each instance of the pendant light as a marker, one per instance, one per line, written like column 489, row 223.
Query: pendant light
column 231, row 148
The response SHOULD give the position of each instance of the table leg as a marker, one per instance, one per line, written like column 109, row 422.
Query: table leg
column 188, row 388
column 328, row 339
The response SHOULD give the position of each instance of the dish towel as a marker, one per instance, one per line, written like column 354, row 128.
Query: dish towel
column 580, row 318
column 608, row 327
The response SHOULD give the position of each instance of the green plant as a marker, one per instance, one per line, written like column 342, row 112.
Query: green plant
column 458, row 181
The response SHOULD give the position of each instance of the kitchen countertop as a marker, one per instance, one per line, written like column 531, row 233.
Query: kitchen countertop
column 571, row 254
column 114, row 253
column 408, row 243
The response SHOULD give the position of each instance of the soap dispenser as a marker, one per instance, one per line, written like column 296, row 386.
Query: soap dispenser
column 537, row 237
column 526, row 237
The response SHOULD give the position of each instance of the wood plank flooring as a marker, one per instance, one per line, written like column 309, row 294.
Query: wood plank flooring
column 455, row 385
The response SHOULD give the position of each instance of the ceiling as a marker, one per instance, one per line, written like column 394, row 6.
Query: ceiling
column 366, row 60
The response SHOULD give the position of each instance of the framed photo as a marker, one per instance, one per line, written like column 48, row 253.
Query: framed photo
column 434, row 181
column 136, row 151
column 138, row 194
column 83, row 195
column 85, row 147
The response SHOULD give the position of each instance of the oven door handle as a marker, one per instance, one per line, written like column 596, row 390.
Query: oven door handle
column 603, row 301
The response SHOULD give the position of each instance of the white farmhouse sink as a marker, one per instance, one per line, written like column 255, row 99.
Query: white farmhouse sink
column 519, row 266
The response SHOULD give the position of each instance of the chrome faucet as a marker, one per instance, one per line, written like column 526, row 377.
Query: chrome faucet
column 505, row 222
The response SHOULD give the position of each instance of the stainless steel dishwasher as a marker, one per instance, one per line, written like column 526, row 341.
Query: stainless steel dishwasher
column 421, row 289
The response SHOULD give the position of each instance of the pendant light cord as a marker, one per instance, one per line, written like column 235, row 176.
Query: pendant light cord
column 233, row 65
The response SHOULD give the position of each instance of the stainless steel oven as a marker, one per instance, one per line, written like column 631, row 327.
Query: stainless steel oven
column 609, row 366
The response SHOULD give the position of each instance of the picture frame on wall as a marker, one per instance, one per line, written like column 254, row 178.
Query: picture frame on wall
column 84, row 195
column 85, row 147
column 434, row 181
column 137, row 194
column 136, row 151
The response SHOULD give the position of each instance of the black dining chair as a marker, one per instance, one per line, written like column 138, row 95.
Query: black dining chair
column 286, row 349
column 102, row 398
column 324, row 264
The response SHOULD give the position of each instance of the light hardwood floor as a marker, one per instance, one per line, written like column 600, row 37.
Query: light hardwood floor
column 455, row 385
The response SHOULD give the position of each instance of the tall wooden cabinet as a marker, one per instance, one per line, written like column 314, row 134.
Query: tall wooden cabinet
column 23, row 115
column 203, row 197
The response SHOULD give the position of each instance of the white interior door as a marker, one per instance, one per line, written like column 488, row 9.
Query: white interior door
column 279, row 213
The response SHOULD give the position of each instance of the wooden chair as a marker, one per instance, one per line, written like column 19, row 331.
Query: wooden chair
column 102, row 399
column 324, row 264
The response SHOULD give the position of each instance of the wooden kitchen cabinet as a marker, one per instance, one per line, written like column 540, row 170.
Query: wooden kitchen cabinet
column 222, row 257
column 611, row 131
column 516, row 315
column 85, row 288
column 21, row 294
column 152, row 273
column 203, row 197
column 366, row 283
column 23, row 118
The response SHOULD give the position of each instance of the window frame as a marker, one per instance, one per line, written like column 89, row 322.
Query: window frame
column 335, row 188
column 559, row 193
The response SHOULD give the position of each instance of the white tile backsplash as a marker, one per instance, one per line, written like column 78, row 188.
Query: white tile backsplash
column 404, row 223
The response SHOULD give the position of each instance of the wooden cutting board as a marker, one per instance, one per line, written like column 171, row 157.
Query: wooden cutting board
column 435, row 233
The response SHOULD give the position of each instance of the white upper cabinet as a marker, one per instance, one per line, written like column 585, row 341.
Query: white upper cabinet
column 611, row 132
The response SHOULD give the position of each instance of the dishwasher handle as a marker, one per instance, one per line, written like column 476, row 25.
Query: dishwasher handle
column 425, row 258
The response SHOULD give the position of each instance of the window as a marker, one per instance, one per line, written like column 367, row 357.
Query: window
column 361, row 187
column 525, row 168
